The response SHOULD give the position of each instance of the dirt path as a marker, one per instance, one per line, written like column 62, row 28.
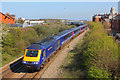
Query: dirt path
column 53, row 70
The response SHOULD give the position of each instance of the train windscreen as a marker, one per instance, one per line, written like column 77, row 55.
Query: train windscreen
column 31, row 53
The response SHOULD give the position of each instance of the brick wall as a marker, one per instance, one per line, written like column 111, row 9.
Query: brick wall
column 96, row 19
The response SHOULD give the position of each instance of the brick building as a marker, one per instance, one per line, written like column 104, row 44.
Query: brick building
column 97, row 18
column 7, row 18
column 105, row 17
column 115, row 23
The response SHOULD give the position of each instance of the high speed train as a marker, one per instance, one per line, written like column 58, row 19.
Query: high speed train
column 37, row 53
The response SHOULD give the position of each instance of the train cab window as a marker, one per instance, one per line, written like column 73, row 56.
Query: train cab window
column 31, row 53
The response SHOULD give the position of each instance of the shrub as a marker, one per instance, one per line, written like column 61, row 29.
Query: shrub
column 15, row 42
column 101, row 51
column 96, row 56
column 95, row 72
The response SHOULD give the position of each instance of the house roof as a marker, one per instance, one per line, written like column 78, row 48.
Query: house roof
column 8, row 16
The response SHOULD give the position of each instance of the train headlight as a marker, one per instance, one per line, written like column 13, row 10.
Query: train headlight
column 24, row 62
column 35, row 62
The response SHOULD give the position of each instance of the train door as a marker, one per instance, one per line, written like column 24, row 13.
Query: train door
column 72, row 33
column 43, row 55
column 84, row 28
column 58, row 43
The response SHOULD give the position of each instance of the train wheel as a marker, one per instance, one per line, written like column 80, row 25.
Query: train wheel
column 32, row 70
column 45, row 63
column 48, row 59
column 60, row 48
column 52, row 55
column 38, row 69
column 72, row 37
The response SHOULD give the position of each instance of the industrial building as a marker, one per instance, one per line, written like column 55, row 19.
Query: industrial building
column 115, row 23
column 32, row 22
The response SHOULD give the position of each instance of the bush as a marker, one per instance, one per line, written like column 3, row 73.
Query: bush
column 101, row 51
column 96, row 56
column 95, row 72
column 15, row 42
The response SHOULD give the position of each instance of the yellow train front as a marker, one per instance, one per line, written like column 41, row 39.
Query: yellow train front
column 33, row 57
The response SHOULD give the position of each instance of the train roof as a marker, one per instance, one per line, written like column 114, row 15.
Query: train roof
column 34, row 46
column 42, row 43
column 47, row 41
column 75, row 28
column 63, row 32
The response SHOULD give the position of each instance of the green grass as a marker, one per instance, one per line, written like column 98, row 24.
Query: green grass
column 71, row 67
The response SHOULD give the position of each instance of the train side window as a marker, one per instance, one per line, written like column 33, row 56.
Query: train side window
column 82, row 28
column 76, row 31
column 70, row 34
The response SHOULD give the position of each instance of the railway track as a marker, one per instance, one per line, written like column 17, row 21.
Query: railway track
column 18, row 71
column 11, row 67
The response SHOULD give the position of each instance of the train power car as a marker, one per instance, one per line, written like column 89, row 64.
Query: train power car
column 37, row 53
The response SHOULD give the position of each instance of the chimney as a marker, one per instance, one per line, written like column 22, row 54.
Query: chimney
column 7, row 14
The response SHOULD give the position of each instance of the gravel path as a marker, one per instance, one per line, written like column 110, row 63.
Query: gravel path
column 53, row 70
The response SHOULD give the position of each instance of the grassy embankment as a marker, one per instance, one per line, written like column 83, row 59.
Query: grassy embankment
column 95, row 56
column 15, row 40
